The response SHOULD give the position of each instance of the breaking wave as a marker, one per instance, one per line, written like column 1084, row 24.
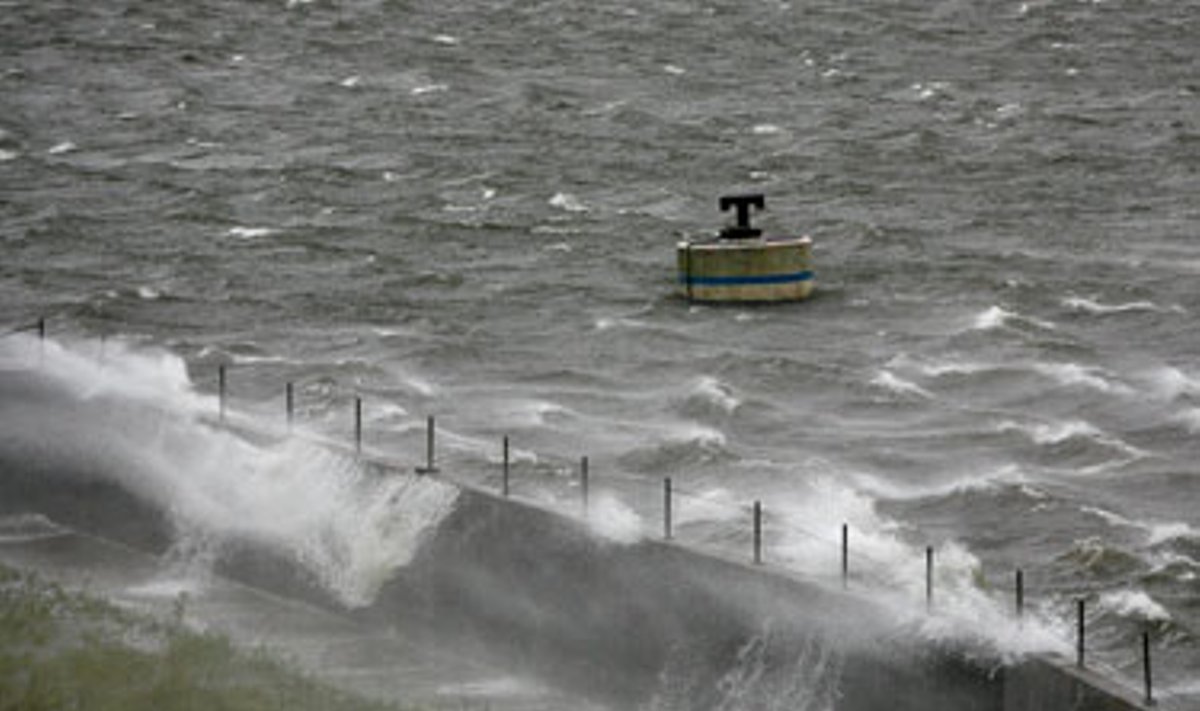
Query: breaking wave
column 136, row 420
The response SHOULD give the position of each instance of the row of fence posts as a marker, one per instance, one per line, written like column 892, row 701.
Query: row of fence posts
column 668, row 533
column 39, row 327
column 668, row 512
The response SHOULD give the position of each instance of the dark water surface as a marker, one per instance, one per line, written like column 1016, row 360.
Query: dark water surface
column 470, row 209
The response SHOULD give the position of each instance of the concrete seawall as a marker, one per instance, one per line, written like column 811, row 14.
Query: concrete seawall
column 647, row 625
column 1047, row 683
column 652, row 610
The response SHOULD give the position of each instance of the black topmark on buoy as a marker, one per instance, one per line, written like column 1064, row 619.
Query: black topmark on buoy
column 743, row 203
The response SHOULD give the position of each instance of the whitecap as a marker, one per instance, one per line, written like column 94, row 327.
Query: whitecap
column 1189, row 419
column 249, row 232
column 1073, row 374
column 889, row 381
column 351, row 81
column 996, row 316
column 555, row 230
column 712, row 391
column 993, row 317
column 534, row 413
column 387, row 412
column 446, row 40
column 1169, row 383
column 429, row 89
column 1163, row 532
column 6, row 155
column 976, row 482
column 695, row 433
column 1110, row 517
column 766, row 129
column 420, row 385
column 243, row 359
column 607, row 323
column 674, row 70
column 1007, row 111
column 1054, row 432
column 953, row 367
column 568, row 202
column 148, row 293
column 1093, row 306
column 1134, row 603
column 932, row 90
column 61, row 148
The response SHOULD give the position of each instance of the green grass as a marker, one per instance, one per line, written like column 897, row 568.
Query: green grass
column 71, row 651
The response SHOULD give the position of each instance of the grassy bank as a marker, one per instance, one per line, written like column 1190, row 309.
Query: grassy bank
column 66, row 650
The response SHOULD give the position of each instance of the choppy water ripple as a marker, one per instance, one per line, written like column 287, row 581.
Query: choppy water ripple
column 470, row 208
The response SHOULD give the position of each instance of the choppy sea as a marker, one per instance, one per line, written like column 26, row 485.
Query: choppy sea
column 469, row 208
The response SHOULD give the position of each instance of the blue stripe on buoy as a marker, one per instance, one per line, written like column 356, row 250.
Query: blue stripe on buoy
column 743, row 280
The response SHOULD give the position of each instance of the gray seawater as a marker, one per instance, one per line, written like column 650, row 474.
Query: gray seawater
column 469, row 209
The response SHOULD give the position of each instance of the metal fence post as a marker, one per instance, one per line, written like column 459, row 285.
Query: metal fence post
column 221, row 391
column 929, row 578
column 504, row 485
column 845, row 556
column 1146, row 667
column 429, row 468
column 583, row 484
column 1080, row 634
column 1020, row 594
column 667, row 508
column 758, row 533
column 290, row 405
column 358, row 425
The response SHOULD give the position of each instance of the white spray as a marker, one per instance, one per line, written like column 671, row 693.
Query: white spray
column 350, row 527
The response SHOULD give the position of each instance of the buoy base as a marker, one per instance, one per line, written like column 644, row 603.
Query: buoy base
column 747, row 270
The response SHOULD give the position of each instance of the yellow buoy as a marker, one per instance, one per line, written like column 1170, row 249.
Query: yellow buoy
column 742, row 265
